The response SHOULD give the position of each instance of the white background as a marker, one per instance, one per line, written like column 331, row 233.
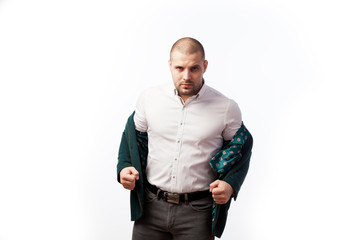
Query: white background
column 70, row 74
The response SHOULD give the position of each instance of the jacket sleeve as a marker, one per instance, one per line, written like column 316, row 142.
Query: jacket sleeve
column 236, row 176
column 123, row 155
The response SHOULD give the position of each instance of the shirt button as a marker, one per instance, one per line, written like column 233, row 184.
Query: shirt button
column 175, row 159
column 178, row 141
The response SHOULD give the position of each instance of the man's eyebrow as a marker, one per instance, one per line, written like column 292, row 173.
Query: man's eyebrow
column 179, row 65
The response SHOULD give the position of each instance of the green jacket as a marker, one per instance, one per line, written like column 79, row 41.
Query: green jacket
column 235, row 155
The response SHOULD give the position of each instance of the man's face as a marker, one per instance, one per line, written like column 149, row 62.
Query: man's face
column 187, row 72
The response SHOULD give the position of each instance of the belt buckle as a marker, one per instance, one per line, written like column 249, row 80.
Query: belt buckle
column 173, row 198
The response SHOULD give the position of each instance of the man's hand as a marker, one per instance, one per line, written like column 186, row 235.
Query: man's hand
column 221, row 191
column 128, row 177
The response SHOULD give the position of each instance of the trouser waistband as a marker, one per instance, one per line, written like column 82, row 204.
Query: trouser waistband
column 177, row 198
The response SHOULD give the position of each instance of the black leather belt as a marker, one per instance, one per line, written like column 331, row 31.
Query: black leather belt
column 177, row 198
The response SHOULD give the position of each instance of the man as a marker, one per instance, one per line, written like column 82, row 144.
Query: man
column 179, row 128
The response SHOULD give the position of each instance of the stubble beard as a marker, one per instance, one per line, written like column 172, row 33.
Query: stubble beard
column 193, row 90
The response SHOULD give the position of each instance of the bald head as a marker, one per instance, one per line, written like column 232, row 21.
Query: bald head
column 188, row 45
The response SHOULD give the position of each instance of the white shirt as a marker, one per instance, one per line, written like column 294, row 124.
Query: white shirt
column 182, row 137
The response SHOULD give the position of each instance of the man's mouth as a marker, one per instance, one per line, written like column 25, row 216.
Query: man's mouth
column 186, row 85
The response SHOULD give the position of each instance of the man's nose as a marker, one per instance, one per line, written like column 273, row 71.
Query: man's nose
column 187, row 75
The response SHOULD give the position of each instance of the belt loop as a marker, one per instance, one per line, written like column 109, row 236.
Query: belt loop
column 158, row 193
column 186, row 198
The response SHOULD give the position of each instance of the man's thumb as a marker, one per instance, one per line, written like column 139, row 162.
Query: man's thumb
column 135, row 173
column 214, row 185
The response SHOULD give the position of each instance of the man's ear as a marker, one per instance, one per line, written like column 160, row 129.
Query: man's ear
column 205, row 65
column 169, row 62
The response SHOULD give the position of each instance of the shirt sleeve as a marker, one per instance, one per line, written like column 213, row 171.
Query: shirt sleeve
column 233, row 120
column 140, row 114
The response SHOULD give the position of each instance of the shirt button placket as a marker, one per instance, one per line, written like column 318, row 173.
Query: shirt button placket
column 178, row 147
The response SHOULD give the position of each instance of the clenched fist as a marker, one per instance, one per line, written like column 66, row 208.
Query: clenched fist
column 128, row 177
column 221, row 191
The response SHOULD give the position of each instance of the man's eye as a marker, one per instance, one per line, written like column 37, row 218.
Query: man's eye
column 179, row 68
column 194, row 68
